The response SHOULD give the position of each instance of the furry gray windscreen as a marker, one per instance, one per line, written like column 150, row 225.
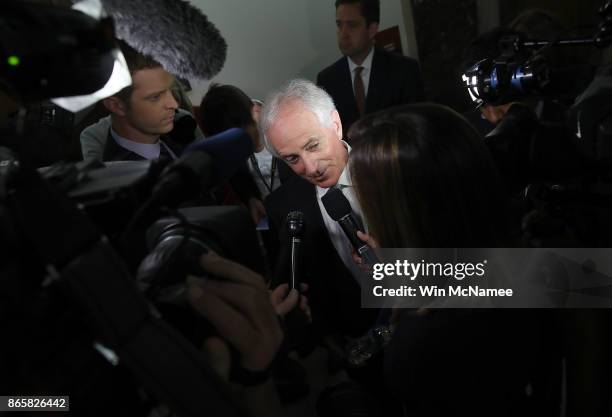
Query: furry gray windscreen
column 173, row 32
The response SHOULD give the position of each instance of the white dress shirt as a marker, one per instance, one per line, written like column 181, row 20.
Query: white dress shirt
column 146, row 150
column 337, row 236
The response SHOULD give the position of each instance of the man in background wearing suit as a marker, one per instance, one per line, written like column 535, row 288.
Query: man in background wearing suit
column 301, row 126
column 367, row 79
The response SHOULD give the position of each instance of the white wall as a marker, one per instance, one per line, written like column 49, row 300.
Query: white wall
column 271, row 41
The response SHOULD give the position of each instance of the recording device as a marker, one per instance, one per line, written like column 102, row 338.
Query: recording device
column 557, row 168
column 34, row 61
column 362, row 349
column 339, row 209
column 507, row 77
column 295, row 230
column 62, row 275
column 203, row 165
column 228, row 150
column 522, row 70
column 175, row 245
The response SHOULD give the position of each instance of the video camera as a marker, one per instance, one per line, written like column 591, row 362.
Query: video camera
column 560, row 166
column 74, row 236
column 521, row 68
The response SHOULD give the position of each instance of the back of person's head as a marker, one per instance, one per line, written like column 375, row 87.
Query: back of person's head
column 313, row 98
column 538, row 24
column 485, row 45
column 370, row 9
column 424, row 178
column 224, row 107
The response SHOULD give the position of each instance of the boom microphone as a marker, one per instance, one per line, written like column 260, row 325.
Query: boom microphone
column 339, row 209
column 173, row 32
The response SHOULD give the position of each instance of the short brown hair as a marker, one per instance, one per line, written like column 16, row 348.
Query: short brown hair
column 370, row 9
column 135, row 62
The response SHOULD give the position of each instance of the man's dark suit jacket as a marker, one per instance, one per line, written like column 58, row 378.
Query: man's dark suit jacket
column 242, row 181
column 394, row 80
column 115, row 152
column 334, row 295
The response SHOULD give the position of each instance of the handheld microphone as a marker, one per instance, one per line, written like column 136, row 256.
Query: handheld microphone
column 339, row 209
column 186, row 43
column 295, row 230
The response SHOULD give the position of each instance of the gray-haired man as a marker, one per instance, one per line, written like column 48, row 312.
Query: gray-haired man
column 301, row 126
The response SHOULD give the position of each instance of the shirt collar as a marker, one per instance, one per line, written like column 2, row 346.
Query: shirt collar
column 345, row 176
column 366, row 64
column 146, row 150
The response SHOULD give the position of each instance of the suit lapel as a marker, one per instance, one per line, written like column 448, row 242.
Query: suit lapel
column 375, row 86
column 176, row 148
column 346, row 89
column 114, row 152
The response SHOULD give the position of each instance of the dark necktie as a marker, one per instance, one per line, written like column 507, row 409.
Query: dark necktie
column 359, row 89
column 356, row 214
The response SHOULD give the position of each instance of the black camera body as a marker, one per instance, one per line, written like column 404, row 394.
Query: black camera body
column 558, row 163
column 73, row 235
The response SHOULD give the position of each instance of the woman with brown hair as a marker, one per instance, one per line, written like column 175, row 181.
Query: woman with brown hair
column 426, row 168
column 425, row 179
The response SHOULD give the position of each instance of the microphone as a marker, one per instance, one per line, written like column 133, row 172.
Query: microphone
column 229, row 150
column 295, row 230
column 186, row 43
column 339, row 209
column 362, row 349
column 203, row 165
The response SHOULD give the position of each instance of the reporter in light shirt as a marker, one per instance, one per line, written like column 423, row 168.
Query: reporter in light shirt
column 424, row 179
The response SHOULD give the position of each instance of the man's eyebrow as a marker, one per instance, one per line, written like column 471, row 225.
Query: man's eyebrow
column 312, row 139
column 155, row 93
column 308, row 143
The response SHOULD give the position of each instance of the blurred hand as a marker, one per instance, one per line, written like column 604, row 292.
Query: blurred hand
column 257, row 209
column 284, row 300
column 240, row 310
column 218, row 356
column 367, row 239
column 396, row 313
column 358, row 259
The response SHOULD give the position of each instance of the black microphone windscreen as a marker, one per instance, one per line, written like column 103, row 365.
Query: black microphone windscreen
column 229, row 151
column 173, row 32
column 295, row 223
column 336, row 204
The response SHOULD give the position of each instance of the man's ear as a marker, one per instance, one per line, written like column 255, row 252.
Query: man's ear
column 337, row 123
column 372, row 30
column 115, row 105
